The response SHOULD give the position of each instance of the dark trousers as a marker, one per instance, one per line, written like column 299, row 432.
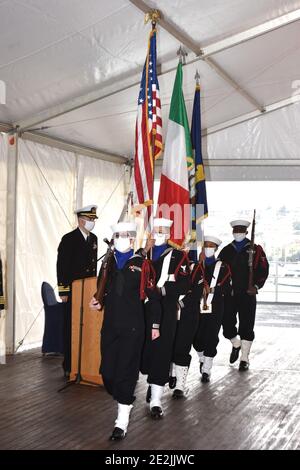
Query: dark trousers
column 244, row 306
column 121, row 351
column 67, row 334
column 157, row 355
column 207, row 336
column 186, row 329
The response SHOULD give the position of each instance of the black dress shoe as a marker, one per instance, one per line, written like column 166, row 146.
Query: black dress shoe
column 243, row 366
column 148, row 394
column 234, row 354
column 201, row 365
column 205, row 378
column 172, row 382
column 156, row 412
column 67, row 375
column 117, row 435
column 178, row 394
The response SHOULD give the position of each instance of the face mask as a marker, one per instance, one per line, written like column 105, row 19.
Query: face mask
column 89, row 225
column 239, row 237
column 160, row 239
column 209, row 252
column 122, row 244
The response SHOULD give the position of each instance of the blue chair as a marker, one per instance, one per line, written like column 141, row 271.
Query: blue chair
column 54, row 322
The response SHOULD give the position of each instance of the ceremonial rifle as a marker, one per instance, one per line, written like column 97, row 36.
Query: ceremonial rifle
column 251, row 289
column 108, row 259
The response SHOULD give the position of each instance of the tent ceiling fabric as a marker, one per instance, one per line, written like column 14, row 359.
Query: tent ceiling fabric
column 112, row 120
column 210, row 21
column 52, row 52
column 266, row 65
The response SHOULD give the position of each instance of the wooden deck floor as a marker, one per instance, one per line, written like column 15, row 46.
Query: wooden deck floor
column 259, row 409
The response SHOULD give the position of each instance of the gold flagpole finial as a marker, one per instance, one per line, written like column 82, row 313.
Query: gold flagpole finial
column 153, row 15
column 182, row 55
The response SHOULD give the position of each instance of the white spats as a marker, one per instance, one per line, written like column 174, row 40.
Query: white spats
column 201, row 356
column 236, row 342
column 123, row 416
column 181, row 376
column 245, row 348
column 172, row 372
column 207, row 365
column 156, row 395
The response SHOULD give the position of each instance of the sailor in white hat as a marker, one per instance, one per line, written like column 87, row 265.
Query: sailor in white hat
column 124, row 234
column 241, row 303
column 172, row 274
column 210, row 279
column 239, row 223
column 76, row 259
column 130, row 277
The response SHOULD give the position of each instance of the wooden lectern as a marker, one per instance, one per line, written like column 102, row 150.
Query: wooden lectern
column 91, row 326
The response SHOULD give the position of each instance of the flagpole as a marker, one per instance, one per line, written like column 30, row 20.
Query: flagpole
column 154, row 20
column 182, row 54
column 150, row 222
column 197, row 79
column 154, row 16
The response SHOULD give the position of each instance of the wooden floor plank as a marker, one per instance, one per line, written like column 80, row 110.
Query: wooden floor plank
column 259, row 409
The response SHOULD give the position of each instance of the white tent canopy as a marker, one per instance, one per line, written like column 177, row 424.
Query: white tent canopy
column 57, row 56
column 72, row 70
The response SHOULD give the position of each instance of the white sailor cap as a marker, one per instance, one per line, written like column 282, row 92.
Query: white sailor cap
column 210, row 238
column 123, row 227
column 161, row 222
column 89, row 211
column 242, row 223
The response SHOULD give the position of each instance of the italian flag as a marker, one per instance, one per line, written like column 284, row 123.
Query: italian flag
column 174, row 196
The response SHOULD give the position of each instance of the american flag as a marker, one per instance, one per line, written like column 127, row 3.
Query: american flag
column 148, row 134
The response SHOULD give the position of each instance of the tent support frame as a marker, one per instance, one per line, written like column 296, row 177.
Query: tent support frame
column 11, row 213
column 204, row 53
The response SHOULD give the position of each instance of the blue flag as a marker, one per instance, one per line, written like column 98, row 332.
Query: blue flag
column 201, row 209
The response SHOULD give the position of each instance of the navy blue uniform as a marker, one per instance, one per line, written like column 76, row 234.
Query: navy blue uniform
column 239, row 302
column 76, row 259
column 157, row 355
column 207, row 335
column 123, row 328
column 195, row 328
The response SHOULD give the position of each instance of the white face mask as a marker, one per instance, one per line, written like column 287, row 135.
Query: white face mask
column 239, row 237
column 160, row 239
column 89, row 225
column 209, row 252
column 122, row 244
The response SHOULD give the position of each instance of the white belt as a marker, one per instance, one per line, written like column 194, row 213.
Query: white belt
column 165, row 276
column 179, row 308
column 213, row 282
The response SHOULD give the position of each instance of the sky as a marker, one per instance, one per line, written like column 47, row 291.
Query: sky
column 237, row 199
